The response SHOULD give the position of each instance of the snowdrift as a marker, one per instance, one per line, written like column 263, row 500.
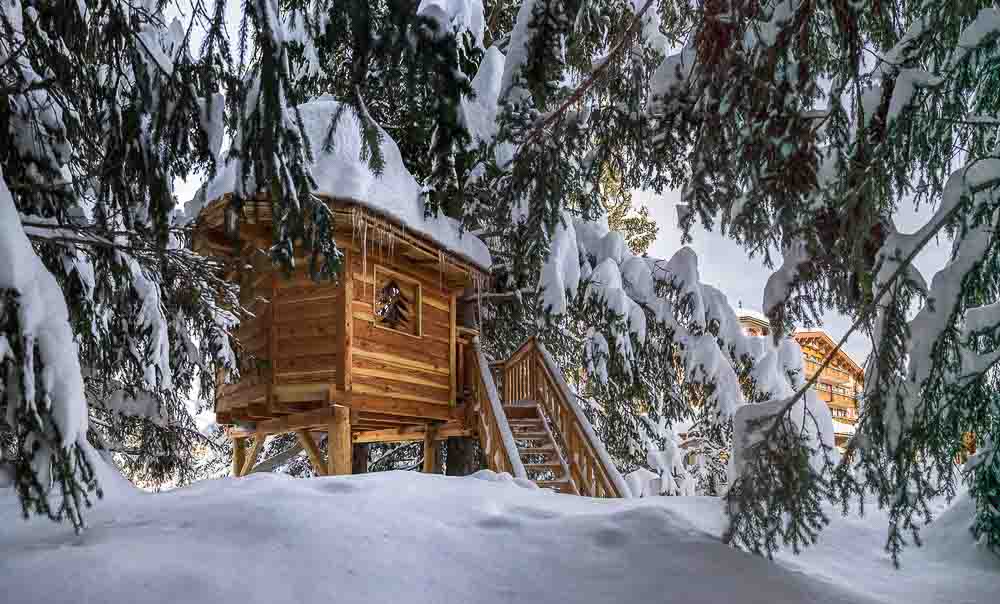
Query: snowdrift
column 408, row 537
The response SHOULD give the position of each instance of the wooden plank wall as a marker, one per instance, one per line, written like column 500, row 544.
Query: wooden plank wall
column 298, row 337
column 392, row 365
column 306, row 347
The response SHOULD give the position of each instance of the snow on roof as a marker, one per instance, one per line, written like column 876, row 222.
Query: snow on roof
column 340, row 172
column 747, row 313
column 842, row 428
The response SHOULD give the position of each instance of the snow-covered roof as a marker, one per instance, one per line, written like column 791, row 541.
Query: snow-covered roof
column 747, row 313
column 842, row 427
column 341, row 173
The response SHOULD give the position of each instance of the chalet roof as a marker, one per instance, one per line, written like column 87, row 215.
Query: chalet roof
column 746, row 313
column 801, row 334
column 340, row 173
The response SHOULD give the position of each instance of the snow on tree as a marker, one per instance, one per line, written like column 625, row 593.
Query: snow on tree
column 43, row 388
column 111, row 323
column 808, row 128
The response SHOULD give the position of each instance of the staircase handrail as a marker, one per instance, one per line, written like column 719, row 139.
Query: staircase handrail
column 590, row 437
column 532, row 373
column 494, row 419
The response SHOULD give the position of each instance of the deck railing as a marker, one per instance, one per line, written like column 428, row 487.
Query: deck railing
column 531, row 375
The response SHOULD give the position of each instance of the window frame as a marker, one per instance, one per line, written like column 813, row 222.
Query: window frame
column 419, row 303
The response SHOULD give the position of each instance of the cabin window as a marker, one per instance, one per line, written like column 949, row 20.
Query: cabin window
column 397, row 302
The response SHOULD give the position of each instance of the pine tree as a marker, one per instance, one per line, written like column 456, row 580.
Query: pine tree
column 103, row 106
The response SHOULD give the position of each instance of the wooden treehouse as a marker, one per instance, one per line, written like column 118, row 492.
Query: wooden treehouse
column 388, row 354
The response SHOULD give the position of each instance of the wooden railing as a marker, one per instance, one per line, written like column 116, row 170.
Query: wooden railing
column 495, row 435
column 531, row 374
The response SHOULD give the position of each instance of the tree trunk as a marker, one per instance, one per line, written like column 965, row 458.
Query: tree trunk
column 461, row 456
column 359, row 459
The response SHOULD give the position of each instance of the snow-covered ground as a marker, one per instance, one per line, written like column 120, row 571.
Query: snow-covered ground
column 408, row 537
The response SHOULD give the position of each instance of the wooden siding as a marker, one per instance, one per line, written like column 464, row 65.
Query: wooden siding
column 394, row 365
column 295, row 347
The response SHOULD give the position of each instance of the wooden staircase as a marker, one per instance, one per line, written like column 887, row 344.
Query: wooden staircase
column 535, row 430
column 536, row 446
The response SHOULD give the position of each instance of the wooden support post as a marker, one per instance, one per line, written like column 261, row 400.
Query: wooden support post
column 307, row 442
column 258, row 446
column 359, row 458
column 239, row 455
column 430, row 449
column 339, row 441
column 452, row 350
column 461, row 456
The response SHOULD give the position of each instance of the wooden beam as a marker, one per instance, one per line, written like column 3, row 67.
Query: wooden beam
column 339, row 441
column 430, row 449
column 258, row 444
column 239, row 454
column 409, row 434
column 452, row 350
column 367, row 416
column 383, row 408
column 307, row 442
column 290, row 423
column 379, row 402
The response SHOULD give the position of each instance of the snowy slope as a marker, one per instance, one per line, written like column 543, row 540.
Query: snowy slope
column 400, row 537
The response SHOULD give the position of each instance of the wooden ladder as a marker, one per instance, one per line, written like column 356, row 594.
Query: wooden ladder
column 532, row 428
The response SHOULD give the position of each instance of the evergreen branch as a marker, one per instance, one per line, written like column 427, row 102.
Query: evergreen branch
column 591, row 80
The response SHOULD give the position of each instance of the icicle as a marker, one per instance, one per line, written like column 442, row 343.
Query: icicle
column 478, row 283
column 441, row 269
column 364, row 254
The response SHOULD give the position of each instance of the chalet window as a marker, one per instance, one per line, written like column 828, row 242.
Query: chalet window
column 397, row 302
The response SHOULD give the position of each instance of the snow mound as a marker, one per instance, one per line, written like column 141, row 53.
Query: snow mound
column 340, row 172
column 387, row 537
column 950, row 535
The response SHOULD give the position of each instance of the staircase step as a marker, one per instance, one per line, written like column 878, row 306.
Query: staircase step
column 525, row 421
column 546, row 450
column 516, row 412
column 536, row 427
column 558, row 484
column 531, row 435
column 542, row 466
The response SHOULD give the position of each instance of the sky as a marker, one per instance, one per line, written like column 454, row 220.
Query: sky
column 725, row 265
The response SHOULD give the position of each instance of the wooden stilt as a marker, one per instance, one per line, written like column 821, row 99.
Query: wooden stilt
column 307, row 442
column 239, row 455
column 461, row 456
column 339, row 441
column 359, row 458
column 258, row 446
column 430, row 449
